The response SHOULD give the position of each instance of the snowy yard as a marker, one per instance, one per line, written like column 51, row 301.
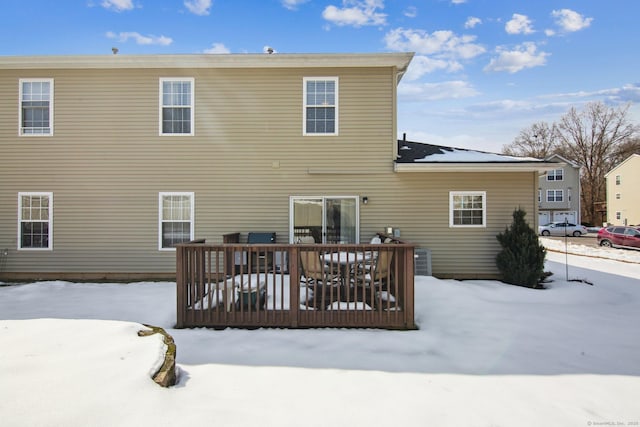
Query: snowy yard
column 486, row 354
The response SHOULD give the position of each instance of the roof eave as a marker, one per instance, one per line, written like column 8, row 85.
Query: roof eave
column 474, row 167
column 399, row 60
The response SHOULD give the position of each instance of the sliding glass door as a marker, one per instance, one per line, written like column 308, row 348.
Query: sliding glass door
column 325, row 219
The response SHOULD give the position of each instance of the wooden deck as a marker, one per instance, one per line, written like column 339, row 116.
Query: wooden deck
column 265, row 285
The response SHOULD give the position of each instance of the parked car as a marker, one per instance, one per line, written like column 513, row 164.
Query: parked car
column 562, row 229
column 619, row 236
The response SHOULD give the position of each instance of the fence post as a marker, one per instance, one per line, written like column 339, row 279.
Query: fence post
column 180, row 287
column 409, row 284
column 294, row 285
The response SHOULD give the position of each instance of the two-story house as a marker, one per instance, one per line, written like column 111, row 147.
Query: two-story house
column 106, row 162
column 623, row 197
column 559, row 192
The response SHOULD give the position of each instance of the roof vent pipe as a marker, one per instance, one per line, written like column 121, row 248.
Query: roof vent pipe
column 404, row 137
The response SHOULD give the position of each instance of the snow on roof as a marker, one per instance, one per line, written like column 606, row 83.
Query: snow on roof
column 417, row 152
column 462, row 155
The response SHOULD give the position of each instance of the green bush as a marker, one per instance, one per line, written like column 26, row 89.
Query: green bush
column 521, row 260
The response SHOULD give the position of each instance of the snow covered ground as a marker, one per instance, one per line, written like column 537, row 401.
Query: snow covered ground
column 486, row 354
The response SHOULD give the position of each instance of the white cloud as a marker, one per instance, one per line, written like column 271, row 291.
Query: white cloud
column 519, row 24
column 512, row 61
column 570, row 21
column 454, row 89
column 117, row 5
column 198, row 7
column 356, row 13
column 502, row 106
column 140, row 39
column 440, row 43
column 549, row 32
column 472, row 21
column 624, row 94
column 292, row 4
column 421, row 65
column 458, row 1
column 217, row 48
column 411, row 12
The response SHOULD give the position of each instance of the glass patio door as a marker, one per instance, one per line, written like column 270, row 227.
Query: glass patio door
column 326, row 219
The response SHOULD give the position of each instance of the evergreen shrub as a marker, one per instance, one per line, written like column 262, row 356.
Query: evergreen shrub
column 521, row 260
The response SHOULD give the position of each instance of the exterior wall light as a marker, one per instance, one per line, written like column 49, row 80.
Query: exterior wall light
column 365, row 200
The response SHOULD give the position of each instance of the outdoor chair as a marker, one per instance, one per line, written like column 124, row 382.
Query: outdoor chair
column 322, row 280
column 375, row 272
column 316, row 271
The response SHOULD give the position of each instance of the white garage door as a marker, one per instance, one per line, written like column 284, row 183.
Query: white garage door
column 560, row 216
column 543, row 218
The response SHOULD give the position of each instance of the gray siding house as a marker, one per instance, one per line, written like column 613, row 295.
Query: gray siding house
column 559, row 192
column 106, row 162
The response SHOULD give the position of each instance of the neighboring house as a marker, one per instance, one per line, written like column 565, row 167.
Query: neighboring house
column 559, row 193
column 106, row 162
column 623, row 197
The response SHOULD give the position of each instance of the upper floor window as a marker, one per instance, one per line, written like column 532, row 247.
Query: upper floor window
column 618, row 179
column 555, row 175
column 176, row 219
column 467, row 209
column 36, row 107
column 35, row 215
column 555, row 195
column 176, row 106
column 618, row 196
column 320, row 106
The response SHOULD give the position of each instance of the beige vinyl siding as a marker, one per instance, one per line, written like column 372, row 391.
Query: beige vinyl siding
column 418, row 204
column 106, row 163
column 629, row 202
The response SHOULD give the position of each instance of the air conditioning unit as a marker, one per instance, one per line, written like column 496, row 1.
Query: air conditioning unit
column 422, row 262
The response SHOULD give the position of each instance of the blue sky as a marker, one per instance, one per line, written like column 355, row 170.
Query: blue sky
column 483, row 70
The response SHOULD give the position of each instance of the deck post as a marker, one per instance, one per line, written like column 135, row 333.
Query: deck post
column 294, row 287
column 180, row 287
column 409, row 285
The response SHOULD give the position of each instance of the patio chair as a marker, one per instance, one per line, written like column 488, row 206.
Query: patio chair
column 323, row 281
column 376, row 272
column 316, row 271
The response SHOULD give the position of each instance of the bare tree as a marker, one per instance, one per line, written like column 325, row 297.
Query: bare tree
column 624, row 150
column 592, row 138
column 538, row 141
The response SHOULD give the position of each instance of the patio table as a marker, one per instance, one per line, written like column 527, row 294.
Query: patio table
column 345, row 260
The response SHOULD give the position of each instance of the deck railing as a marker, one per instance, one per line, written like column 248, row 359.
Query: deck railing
column 266, row 285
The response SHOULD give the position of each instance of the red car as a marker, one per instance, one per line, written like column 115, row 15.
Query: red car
column 617, row 235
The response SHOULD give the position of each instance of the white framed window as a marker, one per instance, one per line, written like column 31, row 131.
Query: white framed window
column 555, row 175
column 175, row 219
column 35, row 221
column 618, row 215
column 555, row 195
column 36, row 107
column 320, row 112
column 177, row 106
column 618, row 196
column 618, row 179
column 467, row 209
